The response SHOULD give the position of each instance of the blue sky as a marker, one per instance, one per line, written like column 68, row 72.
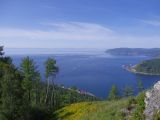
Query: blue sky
column 79, row 23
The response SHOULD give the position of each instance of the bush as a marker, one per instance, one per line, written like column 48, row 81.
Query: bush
column 139, row 108
column 130, row 103
column 156, row 115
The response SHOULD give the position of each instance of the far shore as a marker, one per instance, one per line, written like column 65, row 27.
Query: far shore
column 133, row 70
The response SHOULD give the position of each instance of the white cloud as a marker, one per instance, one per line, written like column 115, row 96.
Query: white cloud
column 79, row 26
column 152, row 22
column 60, row 31
column 73, row 35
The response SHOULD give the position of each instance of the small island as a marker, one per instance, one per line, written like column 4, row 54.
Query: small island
column 147, row 67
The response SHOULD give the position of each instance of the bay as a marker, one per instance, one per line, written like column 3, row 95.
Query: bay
column 93, row 72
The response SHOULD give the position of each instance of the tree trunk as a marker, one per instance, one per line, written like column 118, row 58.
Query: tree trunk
column 37, row 96
column 29, row 95
column 52, row 96
column 47, row 90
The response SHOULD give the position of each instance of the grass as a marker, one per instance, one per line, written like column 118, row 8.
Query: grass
column 124, row 109
column 102, row 110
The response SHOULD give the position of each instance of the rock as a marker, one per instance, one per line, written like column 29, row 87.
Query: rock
column 152, row 101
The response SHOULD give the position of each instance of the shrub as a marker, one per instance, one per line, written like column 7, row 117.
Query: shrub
column 139, row 108
column 156, row 115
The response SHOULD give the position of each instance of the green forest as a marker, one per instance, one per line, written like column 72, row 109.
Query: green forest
column 151, row 67
column 25, row 96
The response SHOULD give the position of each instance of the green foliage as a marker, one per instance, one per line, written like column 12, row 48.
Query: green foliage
column 113, row 94
column 139, row 108
column 31, row 77
column 1, row 51
column 66, row 96
column 131, row 103
column 128, row 91
column 51, row 67
column 151, row 67
column 140, row 85
column 73, row 87
column 11, row 93
column 51, row 71
column 156, row 115
column 22, row 94
column 102, row 110
column 130, row 108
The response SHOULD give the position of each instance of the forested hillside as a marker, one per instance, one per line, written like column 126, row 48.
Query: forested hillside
column 154, row 52
column 23, row 95
column 151, row 67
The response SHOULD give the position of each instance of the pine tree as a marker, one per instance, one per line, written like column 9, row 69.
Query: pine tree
column 140, row 85
column 1, row 51
column 113, row 94
column 12, row 100
column 37, row 88
column 31, row 78
column 51, row 71
column 128, row 91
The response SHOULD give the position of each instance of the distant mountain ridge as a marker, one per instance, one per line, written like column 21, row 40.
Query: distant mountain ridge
column 152, row 52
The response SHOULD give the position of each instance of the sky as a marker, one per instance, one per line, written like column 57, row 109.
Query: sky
column 80, row 23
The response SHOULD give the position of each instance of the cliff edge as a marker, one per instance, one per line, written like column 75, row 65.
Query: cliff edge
column 152, row 102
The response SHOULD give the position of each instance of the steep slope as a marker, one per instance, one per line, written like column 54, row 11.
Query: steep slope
column 92, row 111
column 124, row 109
column 152, row 101
column 145, row 106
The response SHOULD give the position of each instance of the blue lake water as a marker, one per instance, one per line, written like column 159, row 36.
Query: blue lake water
column 95, row 73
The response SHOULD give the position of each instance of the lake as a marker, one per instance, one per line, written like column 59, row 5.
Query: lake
column 94, row 72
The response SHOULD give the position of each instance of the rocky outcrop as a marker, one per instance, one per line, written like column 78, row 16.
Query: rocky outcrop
column 152, row 102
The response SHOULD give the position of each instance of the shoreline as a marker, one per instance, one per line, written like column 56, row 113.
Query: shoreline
column 133, row 70
column 82, row 92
